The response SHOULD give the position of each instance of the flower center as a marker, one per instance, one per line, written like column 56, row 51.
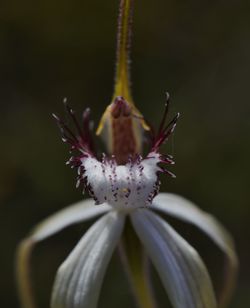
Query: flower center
column 124, row 186
column 129, row 185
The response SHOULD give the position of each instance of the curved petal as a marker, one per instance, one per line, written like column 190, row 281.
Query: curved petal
column 179, row 266
column 73, row 214
column 79, row 278
column 179, row 207
column 76, row 213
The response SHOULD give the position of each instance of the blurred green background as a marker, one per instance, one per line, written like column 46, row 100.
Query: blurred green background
column 197, row 50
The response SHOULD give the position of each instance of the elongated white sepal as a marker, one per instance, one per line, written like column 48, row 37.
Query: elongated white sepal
column 79, row 212
column 79, row 278
column 73, row 214
column 181, row 208
column 179, row 266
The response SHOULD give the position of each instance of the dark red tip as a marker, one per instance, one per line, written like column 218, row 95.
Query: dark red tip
column 120, row 108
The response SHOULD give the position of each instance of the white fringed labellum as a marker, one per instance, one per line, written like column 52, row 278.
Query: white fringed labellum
column 126, row 186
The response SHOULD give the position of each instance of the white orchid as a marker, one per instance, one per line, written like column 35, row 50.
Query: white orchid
column 124, row 189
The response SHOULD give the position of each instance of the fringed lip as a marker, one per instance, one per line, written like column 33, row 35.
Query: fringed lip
column 165, row 129
column 81, row 140
column 132, row 184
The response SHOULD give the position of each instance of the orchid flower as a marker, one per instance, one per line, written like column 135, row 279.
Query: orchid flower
column 124, row 188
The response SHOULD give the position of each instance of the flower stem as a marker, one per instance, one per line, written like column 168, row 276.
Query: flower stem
column 135, row 260
column 122, row 77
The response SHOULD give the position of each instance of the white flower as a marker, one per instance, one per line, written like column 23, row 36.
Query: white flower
column 129, row 191
column 124, row 186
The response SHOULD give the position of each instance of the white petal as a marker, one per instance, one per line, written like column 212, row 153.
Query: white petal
column 180, row 268
column 79, row 278
column 181, row 208
column 78, row 212
column 73, row 214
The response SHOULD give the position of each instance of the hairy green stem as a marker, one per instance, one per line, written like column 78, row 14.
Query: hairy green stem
column 122, row 77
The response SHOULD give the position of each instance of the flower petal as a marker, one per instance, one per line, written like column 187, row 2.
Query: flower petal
column 76, row 213
column 179, row 266
column 181, row 208
column 73, row 214
column 79, row 278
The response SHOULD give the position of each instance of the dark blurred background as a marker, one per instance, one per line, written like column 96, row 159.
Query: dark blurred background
column 197, row 50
